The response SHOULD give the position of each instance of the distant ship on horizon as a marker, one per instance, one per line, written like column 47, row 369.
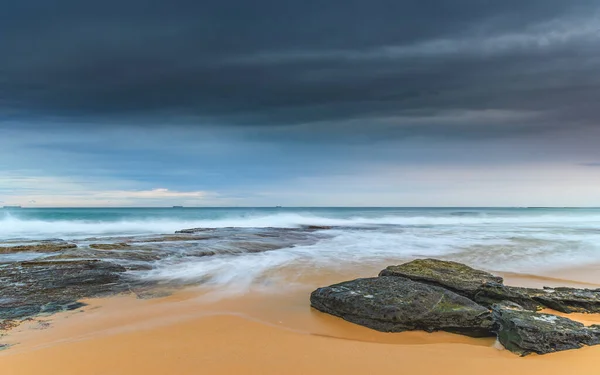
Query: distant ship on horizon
column 12, row 207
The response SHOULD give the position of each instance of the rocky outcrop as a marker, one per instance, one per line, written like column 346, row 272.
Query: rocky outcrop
column 195, row 230
column 395, row 304
column 457, row 277
column 110, row 246
column 176, row 238
column 487, row 289
column 30, row 288
column 524, row 332
column 44, row 247
column 567, row 300
column 431, row 295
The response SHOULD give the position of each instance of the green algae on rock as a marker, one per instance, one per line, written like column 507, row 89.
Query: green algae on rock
column 455, row 276
column 394, row 304
column 30, row 288
column 523, row 332
column 49, row 247
column 487, row 289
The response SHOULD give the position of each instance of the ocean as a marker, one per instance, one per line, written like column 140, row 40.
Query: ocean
column 246, row 247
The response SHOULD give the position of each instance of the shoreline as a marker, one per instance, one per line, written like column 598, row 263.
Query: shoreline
column 257, row 332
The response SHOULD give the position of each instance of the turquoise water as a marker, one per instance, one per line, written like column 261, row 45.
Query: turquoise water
column 517, row 240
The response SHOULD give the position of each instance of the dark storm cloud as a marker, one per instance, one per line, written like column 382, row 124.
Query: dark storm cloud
column 405, row 64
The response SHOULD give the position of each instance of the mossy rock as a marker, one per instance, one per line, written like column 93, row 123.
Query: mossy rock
column 395, row 304
column 38, row 248
column 523, row 332
column 455, row 276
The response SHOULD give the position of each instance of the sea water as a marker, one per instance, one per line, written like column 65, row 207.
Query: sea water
column 527, row 240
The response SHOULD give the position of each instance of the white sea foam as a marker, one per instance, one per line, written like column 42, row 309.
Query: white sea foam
column 14, row 227
column 516, row 241
column 373, row 250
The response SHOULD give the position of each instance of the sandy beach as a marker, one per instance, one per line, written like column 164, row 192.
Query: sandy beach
column 260, row 332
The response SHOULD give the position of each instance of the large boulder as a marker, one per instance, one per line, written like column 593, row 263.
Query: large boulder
column 487, row 289
column 524, row 332
column 455, row 276
column 396, row 304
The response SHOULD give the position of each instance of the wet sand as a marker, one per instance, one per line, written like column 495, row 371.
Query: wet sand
column 199, row 331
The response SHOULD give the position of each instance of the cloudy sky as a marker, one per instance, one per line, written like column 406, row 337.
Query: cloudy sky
column 303, row 103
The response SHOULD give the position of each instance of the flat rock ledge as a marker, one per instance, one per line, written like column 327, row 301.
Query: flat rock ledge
column 45, row 287
column 435, row 295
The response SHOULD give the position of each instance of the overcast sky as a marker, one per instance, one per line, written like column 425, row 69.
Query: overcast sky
column 304, row 103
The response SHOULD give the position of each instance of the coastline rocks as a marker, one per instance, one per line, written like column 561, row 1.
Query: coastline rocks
column 49, row 247
column 395, row 304
column 524, row 332
column 487, row 289
column 567, row 300
column 431, row 295
column 30, row 288
column 194, row 230
column 110, row 246
column 317, row 227
column 455, row 276
column 492, row 293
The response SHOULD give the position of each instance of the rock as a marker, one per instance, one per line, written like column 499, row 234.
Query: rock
column 492, row 293
column 457, row 277
column 396, row 304
column 30, row 288
column 49, row 247
column 317, row 227
column 110, row 246
column 524, row 332
column 194, row 230
column 487, row 289
column 175, row 239
column 567, row 300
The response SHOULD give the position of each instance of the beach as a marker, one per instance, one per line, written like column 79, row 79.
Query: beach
column 195, row 330
column 188, row 309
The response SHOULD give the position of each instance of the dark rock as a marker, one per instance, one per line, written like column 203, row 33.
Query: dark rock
column 49, row 247
column 487, row 289
column 455, row 276
column 110, row 246
column 31, row 288
column 493, row 293
column 395, row 304
column 567, row 300
column 194, row 230
column 175, row 239
column 317, row 227
column 524, row 332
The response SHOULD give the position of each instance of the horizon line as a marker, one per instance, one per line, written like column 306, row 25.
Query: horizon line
column 284, row 207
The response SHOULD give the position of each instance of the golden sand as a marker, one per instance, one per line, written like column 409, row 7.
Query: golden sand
column 192, row 332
